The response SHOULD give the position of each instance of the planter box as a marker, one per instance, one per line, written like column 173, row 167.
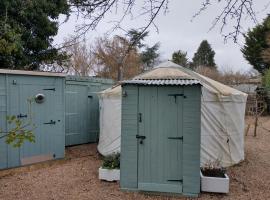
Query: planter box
column 215, row 184
column 109, row 174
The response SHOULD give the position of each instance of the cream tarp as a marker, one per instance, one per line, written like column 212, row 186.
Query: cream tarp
column 222, row 117
column 110, row 120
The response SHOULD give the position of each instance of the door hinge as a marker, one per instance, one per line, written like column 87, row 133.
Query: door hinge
column 52, row 89
column 21, row 116
column 51, row 122
column 177, row 95
column 175, row 180
column 176, row 138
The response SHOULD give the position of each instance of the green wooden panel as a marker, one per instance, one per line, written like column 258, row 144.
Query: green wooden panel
column 160, row 155
column 3, row 124
column 94, row 110
column 82, row 108
column 191, row 146
column 129, row 129
column 50, row 139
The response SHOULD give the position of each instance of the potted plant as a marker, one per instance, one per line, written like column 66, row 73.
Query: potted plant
column 214, row 178
column 110, row 169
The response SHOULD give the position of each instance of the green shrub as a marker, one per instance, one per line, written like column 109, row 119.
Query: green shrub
column 112, row 161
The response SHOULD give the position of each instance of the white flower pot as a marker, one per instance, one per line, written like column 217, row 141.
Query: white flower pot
column 109, row 174
column 215, row 184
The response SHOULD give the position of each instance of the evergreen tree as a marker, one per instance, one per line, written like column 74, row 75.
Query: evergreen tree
column 26, row 31
column 136, row 37
column 204, row 55
column 256, row 44
column 149, row 56
column 180, row 58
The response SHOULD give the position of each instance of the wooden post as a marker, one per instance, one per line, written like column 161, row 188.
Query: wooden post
column 255, row 126
column 247, row 130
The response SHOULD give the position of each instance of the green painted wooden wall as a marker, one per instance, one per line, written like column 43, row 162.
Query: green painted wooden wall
column 50, row 138
column 82, row 108
column 161, row 118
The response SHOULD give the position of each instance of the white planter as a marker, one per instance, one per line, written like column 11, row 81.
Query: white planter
column 215, row 184
column 109, row 174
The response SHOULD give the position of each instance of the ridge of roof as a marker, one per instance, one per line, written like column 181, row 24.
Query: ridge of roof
column 31, row 73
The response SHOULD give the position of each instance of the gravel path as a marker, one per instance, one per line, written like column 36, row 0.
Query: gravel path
column 76, row 176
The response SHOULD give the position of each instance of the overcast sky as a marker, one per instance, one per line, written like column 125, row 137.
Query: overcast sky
column 176, row 31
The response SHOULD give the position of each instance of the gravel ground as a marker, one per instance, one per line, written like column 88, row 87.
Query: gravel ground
column 76, row 177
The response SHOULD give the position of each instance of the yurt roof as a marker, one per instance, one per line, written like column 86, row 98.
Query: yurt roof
column 114, row 91
column 177, row 75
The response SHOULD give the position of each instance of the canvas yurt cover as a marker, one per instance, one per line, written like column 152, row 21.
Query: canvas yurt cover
column 222, row 117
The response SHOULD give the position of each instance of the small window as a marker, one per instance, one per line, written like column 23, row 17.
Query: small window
column 40, row 98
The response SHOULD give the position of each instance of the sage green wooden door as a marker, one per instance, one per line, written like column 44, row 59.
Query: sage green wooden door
column 160, row 153
column 77, row 115
column 47, row 118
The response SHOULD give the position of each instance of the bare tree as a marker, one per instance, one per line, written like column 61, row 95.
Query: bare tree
column 233, row 12
column 115, row 59
column 93, row 11
column 81, row 59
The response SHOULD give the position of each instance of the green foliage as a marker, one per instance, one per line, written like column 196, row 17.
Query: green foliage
column 111, row 161
column 213, row 169
column 150, row 56
column 20, row 131
column 26, row 32
column 18, row 134
column 136, row 37
column 180, row 58
column 204, row 55
column 255, row 43
column 266, row 79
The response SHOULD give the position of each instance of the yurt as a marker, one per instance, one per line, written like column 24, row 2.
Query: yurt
column 222, row 117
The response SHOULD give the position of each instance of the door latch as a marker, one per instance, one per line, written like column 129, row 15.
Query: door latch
column 141, row 138
column 140, row 117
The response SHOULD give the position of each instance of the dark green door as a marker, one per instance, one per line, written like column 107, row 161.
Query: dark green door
column 160, row 152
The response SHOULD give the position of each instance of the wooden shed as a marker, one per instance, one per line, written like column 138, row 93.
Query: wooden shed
column 46, row 92
column 82, row 108
column 160, row 136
